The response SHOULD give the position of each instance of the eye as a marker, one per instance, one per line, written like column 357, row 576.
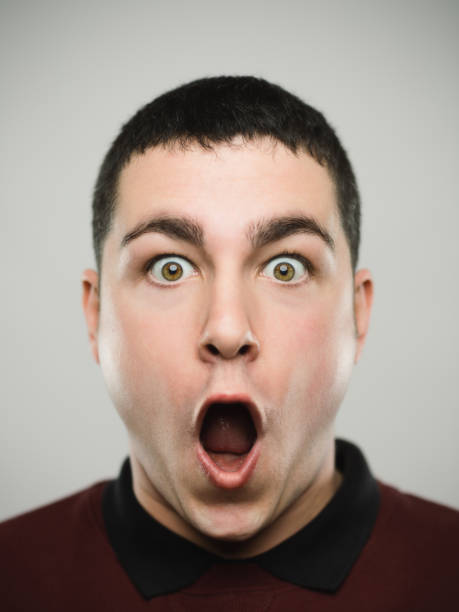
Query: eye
column 287, row 267
column 168, row 269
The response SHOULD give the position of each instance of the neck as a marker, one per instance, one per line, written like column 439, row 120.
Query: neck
column 296, row 516
column 299, row 513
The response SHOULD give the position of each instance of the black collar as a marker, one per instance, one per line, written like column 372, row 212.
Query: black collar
column 319, row 556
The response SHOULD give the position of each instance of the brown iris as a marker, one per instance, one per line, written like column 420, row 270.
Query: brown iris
column 284, row 271
column 172, row 271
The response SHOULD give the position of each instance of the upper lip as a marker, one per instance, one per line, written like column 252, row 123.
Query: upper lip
column 231, row 398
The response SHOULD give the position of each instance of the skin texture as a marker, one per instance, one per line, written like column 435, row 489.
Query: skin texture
column 228, row 326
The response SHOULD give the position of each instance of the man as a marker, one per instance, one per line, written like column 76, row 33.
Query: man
column 226, row 313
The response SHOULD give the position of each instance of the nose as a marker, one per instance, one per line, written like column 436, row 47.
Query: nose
column 227, row 332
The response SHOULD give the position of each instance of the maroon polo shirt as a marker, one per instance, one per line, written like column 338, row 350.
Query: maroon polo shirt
column 371, row 548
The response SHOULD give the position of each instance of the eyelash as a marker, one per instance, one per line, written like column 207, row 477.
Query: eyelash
column 286, row 253
column 293, row 255
column 151, row 262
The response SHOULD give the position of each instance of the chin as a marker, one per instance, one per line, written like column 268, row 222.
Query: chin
column 228, row 524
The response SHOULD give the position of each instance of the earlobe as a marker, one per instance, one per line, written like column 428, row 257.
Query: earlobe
column 91, row 305
column 363, row 301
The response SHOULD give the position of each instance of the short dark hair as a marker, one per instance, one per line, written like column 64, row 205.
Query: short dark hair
column 214, row 110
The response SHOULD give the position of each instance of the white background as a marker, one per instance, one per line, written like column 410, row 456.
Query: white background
column 384, row 73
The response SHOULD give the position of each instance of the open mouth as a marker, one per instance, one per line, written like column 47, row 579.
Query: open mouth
column 228, row 434
column 228, row 442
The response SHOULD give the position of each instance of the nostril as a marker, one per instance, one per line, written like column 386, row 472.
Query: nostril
column 214, row 350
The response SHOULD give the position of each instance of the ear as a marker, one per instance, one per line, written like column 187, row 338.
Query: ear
column 363, row 301
column 91, row 305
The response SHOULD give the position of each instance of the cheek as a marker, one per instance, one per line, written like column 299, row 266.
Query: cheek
column 315, row 356
column 325, row 342
column 144, row 359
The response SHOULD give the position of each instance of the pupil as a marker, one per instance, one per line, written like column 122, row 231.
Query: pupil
column 283, row 269
column 172, row 271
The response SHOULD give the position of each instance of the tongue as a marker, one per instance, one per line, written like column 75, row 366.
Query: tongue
column 228, row 428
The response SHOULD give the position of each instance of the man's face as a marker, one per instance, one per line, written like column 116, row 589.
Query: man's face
column 224, row 315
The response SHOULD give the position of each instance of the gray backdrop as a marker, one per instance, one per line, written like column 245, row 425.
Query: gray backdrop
column 385, row 74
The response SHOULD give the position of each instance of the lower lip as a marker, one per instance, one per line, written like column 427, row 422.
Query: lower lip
column 229, row 479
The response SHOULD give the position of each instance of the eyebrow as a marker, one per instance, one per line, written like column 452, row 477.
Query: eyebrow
column 180, row 228
column 260, row 233
column 265, row 231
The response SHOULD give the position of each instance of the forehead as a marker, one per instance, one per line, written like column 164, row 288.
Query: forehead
column 225, row 188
